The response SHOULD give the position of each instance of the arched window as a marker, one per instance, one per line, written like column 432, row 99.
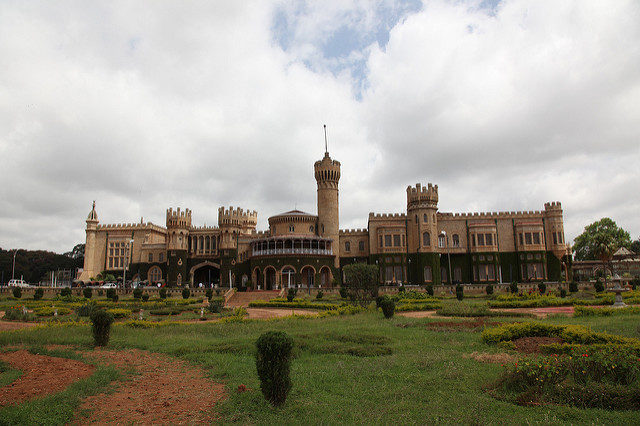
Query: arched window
column 155, row 274
column 291, row 228
column 428, row 276
column 361, row 246
column 288, row 277
column 455, row 240
column 425, row 218
column 347, row 246
column 311, row 229
column 179, row 279
column 416, row 218
column 426, row 239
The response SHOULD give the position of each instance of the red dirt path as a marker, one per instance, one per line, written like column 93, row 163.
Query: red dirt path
column 165, row 391
column 41, row 375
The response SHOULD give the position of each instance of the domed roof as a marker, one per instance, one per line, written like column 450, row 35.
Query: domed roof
column 294, row 213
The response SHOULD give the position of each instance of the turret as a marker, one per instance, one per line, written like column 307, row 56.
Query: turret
column 178, row 224
column 235, row 221
column 90, row 268
column 327, row 174
column 422, row 205
column 554, row 228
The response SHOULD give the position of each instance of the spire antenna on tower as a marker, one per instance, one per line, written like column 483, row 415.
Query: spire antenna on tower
column 326, row 150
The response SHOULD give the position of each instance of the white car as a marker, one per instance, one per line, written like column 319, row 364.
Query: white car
column 109, row 285
column 18, row 283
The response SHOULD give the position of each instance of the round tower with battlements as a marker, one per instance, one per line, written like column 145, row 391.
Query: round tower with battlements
column 327, row 173
column 178, row 224
column 422, row 225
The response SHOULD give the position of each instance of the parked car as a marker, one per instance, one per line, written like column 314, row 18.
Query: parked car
column 109, row 285
column 18, row 283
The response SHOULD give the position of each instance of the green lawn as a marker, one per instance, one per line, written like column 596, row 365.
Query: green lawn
column 348, row 369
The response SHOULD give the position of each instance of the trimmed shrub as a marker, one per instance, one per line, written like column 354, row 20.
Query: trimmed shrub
column 379, row 300
column 208, row 293
column 87, row 292
column 101, row 326
column 599, row 287
column 47, row 311
column 37, row 295
column 216, row 304
column 430, row 289
column 65, row 292
column 291, row 294
column 111, row 293
column 137, row 293
column 563, row 293
column 115, row 298
column 513, row 287
column 17, row 292
column 86, row 309
column 343, row 292
column 542, row 287
column 573, row 287
column 489, row 289
column 119, row 312
column 162, row 293
column 401, row 289
column 273, row 362
column 145, row 297
column 459, row 292
column 319, row 295
column 186, row 293
column 634, row 283
column 388, row 307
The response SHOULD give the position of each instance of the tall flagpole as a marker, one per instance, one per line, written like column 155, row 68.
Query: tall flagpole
column 326, row 150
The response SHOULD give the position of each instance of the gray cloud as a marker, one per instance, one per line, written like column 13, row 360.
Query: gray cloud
column 143, row 106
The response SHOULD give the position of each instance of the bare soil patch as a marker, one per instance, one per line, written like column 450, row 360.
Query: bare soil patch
column 418, row 314
column 165, row 391
column 42, row 375
column 529, row 345
column 492, row 358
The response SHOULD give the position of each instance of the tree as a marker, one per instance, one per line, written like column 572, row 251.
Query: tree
column 635, row 246
column 361, row 282
column 604, row 246
column 584, row 244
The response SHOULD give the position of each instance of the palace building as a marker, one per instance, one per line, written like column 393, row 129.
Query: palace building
column 421, row 246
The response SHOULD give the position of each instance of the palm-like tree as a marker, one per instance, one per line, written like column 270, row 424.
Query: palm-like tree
column 604, row 247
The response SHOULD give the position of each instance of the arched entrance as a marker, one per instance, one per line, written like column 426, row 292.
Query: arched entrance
column 270, row 278
column 308, row 276
column 207, row 273
column 325, row 277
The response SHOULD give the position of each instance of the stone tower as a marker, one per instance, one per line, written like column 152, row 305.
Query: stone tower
column 327, row 173
column 422, row 205
column 178, row 224
column 90, row 266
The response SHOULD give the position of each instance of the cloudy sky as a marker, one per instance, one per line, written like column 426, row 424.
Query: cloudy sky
column 143, row 106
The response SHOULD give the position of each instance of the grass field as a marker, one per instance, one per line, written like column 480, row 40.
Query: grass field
column 348, row 369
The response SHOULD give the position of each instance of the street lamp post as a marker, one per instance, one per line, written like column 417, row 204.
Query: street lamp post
column 446, row 241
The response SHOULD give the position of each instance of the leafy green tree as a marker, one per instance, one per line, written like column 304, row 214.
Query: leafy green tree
column 604, row 246
column 361, row 282
column 584, row 245
column 635, row 246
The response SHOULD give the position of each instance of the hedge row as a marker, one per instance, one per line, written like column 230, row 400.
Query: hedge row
column 300, row 305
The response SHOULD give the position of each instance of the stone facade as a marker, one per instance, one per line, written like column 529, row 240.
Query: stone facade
column 422, row 246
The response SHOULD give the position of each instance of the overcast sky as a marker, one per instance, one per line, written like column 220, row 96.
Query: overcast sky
column 143, row 106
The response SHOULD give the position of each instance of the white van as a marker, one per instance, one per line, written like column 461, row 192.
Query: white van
column 18, row 283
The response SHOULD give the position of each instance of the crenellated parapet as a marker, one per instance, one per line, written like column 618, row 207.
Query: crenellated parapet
column 422, row 196
column 386, row 216
column 178, row 219
column 553, row 209
column 131, row 226
column 237, row 217
column 491, row 215
column 327, row 172
column 354, row 232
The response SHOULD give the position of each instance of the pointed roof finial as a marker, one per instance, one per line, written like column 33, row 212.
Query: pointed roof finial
column 326, row 150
